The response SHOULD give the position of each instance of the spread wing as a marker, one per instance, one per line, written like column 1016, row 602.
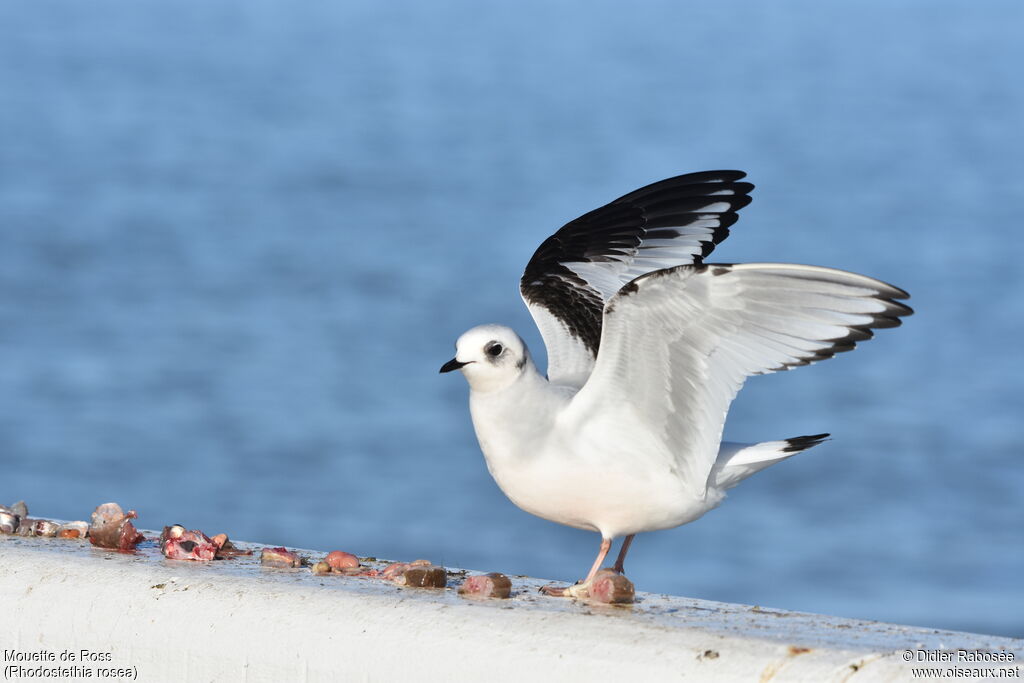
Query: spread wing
column 678, row 344
column 576, row 271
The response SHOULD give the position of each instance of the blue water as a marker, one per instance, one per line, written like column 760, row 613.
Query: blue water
column 237, row 239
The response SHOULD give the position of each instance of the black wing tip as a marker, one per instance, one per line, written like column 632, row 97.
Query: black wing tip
column 802, row 443
column 669, row 203
column 728, row 175
column 741, row 200
column 719, row 175
column 855, row 334
column 698, row 183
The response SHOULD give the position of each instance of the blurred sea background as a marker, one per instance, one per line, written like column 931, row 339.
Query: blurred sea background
column 237, row 240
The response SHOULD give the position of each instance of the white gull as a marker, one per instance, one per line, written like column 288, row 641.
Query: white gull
column 647, row 347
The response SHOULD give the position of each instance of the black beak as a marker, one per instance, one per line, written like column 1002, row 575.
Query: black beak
column 452, row 365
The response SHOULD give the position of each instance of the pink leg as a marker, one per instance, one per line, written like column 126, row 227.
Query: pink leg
column 606, row 544
column 620, row 562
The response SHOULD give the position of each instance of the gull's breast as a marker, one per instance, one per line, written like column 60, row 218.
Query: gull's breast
column 592, row 477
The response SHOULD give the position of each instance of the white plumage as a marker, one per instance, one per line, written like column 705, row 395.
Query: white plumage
column 624, row 436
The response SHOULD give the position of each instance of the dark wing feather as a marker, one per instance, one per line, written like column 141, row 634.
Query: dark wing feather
column 575, row 271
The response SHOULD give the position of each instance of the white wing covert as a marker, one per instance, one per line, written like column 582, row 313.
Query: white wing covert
column 677, row 344
column 577, row 270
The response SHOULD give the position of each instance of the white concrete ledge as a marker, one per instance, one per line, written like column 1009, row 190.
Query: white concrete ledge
column 233, row 620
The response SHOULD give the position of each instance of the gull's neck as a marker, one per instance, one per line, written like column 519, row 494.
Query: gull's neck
column 511, row 421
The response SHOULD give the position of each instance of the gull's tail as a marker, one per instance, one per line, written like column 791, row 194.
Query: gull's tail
column 737, row 461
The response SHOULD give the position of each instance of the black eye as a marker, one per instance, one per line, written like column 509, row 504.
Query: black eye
column 494, row 350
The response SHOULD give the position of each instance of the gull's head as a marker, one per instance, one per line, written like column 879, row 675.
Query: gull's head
column 490, row 356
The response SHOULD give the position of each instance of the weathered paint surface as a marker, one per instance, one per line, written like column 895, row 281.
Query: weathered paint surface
column 234, row 620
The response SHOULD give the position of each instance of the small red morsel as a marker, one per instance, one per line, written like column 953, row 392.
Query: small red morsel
column 493, row 585
column 339, row 560
column 112, row 528
column 279, row 557
column 612, row 588
column 188, row 545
